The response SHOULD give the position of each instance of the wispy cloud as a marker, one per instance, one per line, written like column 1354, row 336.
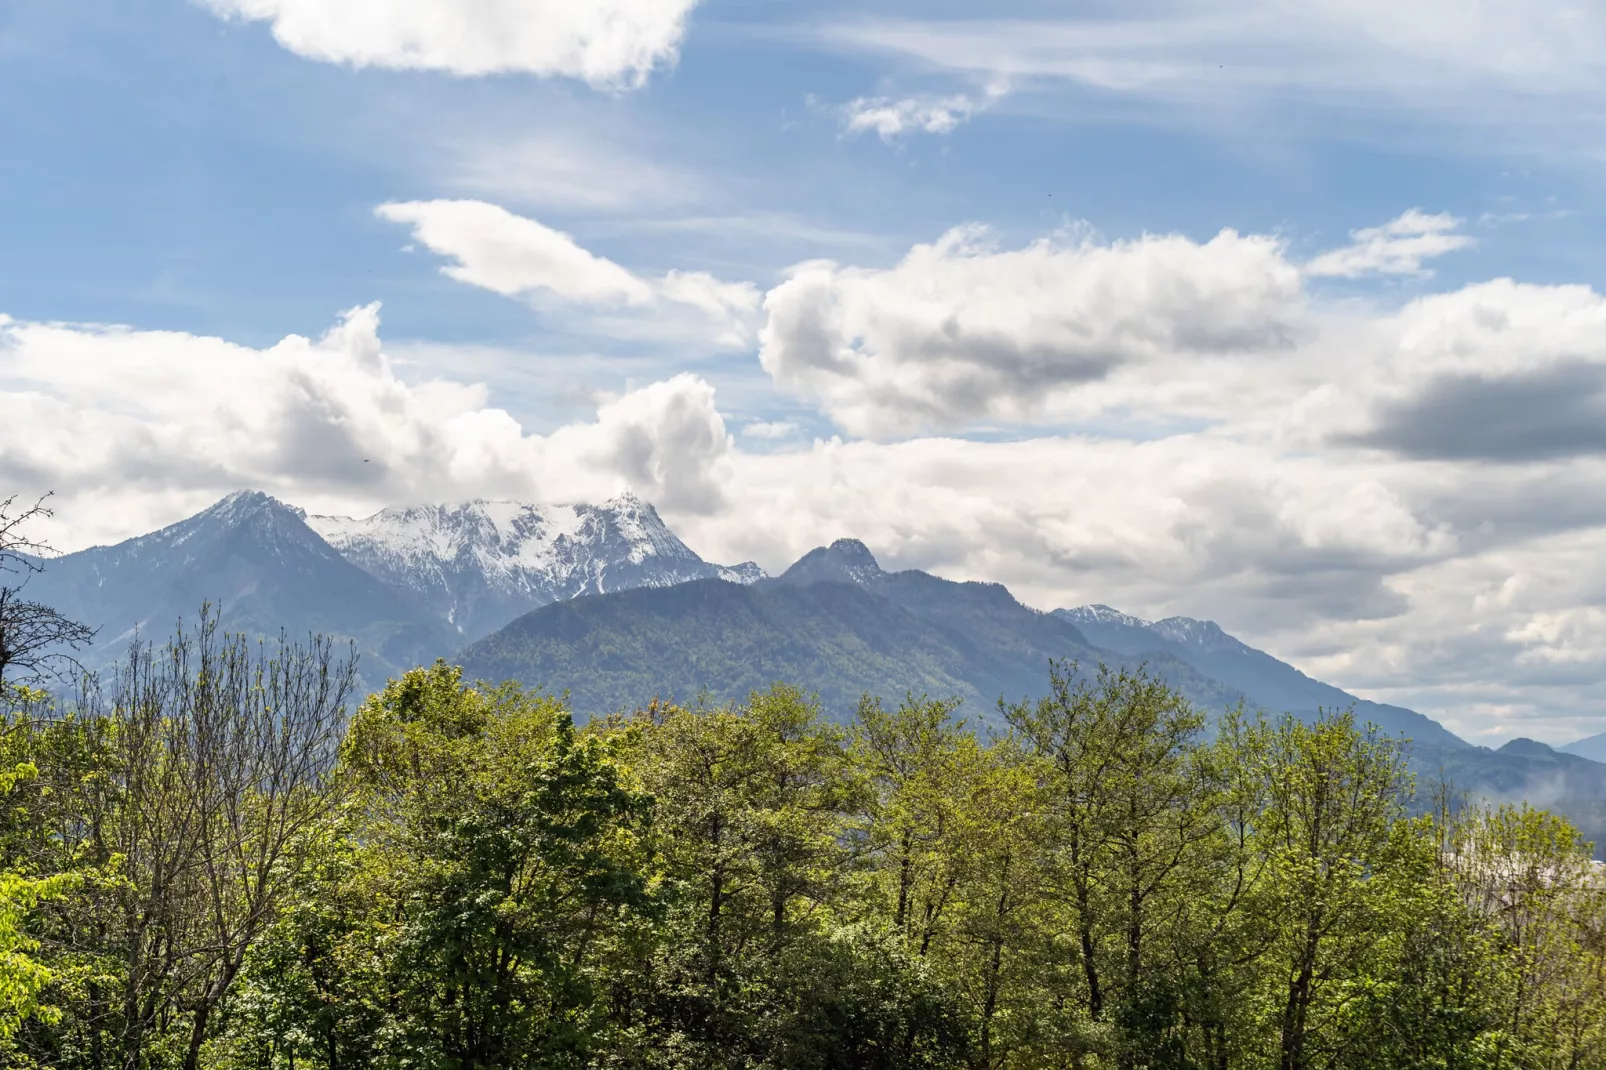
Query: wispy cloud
column 1522, row 60
column 1398, row 247
column 514, row 256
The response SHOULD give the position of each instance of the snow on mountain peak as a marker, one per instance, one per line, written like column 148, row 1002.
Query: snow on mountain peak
column 1102, row 614
column 246, row 504
column 481, row 563
column 1206, row 633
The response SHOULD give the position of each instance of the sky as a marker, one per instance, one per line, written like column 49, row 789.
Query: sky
column 1287, row 315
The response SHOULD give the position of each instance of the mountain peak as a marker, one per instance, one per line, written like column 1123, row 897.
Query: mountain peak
column 1195, row 632
column 243, row 505
column 854, row 552
column 481, row 563
column 844, row 561
column 1532, row 747
column 1098, row 613
column 629, row 500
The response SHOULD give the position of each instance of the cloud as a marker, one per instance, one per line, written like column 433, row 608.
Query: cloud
column 1401, row 500
column 962, row 330
column 511, row 255
column 1558, row 411
column 514, row 256
column 604, row 42
column 769, row 429
column 1531, row 65
column 1497, row 372
column 125, row 424
column 1396, row 248
column 891, row 118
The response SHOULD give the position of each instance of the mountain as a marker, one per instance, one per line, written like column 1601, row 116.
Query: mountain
column 837, row 621
column 1591, row 747
column 479, row 564
column 408, row 584
column 259, row 562
column 834, row 621
column 1521, row 770
column 1263, row 680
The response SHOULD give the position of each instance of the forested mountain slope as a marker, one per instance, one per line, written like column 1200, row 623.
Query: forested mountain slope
column 1263, row 679
column 834, row 622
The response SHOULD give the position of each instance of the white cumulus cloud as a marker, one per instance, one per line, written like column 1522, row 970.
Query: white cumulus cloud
column 604, row 42
column 961, row 329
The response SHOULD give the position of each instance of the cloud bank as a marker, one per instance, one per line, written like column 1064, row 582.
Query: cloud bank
column 961, row 330
column 1403, row 500
column 147, row 423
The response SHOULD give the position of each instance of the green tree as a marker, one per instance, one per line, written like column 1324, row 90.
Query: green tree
column 518, row 863
column 1337, row 848
column 1133, row 812
column 23, row 976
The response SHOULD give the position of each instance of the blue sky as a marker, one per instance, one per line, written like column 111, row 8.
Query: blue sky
column 715, row 271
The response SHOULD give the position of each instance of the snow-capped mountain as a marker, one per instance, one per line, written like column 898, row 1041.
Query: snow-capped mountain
column 254, row 558
column 477, row 565
column 408, row 585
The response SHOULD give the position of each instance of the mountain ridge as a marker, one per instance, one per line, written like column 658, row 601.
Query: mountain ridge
column 1261, row 677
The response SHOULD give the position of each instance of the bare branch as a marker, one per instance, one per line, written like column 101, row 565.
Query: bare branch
column 35, row 639
column 18, row 553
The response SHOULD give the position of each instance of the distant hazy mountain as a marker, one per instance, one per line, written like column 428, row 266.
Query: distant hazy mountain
column 477, row 565
column 256, row 559
column 834, row 621
column 1592, row 747
column 1262, row 679
column 1520, row 770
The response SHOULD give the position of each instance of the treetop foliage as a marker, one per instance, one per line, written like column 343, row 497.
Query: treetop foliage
column 205, row 865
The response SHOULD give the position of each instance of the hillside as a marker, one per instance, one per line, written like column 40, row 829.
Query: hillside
column 879, row 633
column 1521, row 770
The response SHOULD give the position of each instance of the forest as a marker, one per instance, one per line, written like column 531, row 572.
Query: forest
column 221, row 856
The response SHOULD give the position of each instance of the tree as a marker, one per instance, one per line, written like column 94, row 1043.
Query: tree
column 1132, row 809
column 187, row 797
column 955, row 839
column 22, row 975
column 1530, row 875
column 34, row 638
column 513, row 856
column 1338, row 853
